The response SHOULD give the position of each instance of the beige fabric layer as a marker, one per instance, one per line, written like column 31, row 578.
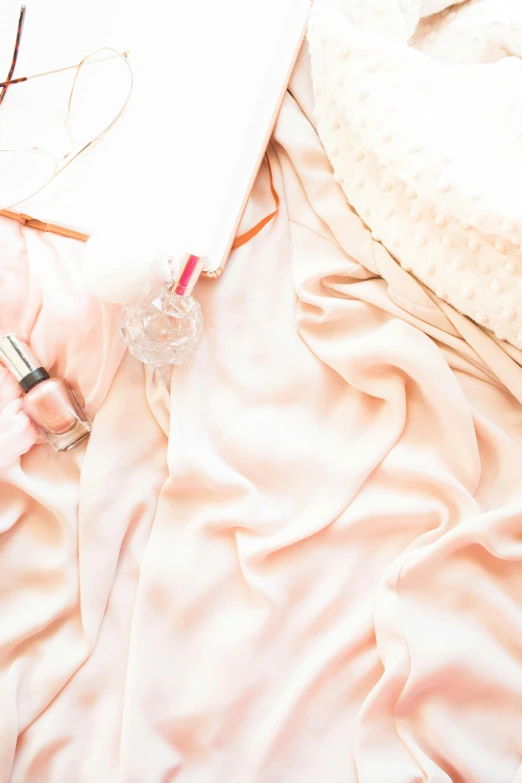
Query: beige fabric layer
column 296, row 558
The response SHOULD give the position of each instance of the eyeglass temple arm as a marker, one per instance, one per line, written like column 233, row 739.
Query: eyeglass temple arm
column 56, row 70
column 6, row 84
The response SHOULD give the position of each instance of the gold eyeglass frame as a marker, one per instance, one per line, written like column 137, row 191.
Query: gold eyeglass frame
column 69, row 157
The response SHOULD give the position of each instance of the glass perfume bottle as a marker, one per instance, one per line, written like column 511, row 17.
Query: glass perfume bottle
column 50, row 403
column 167, row 327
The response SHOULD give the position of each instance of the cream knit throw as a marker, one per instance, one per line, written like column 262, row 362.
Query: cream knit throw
column 421, row 117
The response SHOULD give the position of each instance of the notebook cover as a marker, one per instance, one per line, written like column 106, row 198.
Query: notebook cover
column 209, row 80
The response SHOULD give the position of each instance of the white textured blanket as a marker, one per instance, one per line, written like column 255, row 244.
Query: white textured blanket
column 421, row 117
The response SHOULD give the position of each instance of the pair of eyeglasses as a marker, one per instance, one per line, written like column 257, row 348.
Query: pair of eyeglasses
column 99, row 94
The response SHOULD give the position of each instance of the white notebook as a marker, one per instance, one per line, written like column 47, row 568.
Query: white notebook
column 209, row 78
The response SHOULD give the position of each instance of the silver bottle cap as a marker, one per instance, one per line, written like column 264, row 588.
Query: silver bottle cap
column 17, row 357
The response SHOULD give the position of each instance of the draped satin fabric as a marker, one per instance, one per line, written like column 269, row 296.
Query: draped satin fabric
column 294, row 558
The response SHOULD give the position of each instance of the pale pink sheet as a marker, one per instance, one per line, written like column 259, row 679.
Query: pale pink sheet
column 294, row 559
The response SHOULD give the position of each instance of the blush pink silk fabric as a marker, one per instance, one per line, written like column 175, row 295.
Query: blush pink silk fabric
column 296, row 557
